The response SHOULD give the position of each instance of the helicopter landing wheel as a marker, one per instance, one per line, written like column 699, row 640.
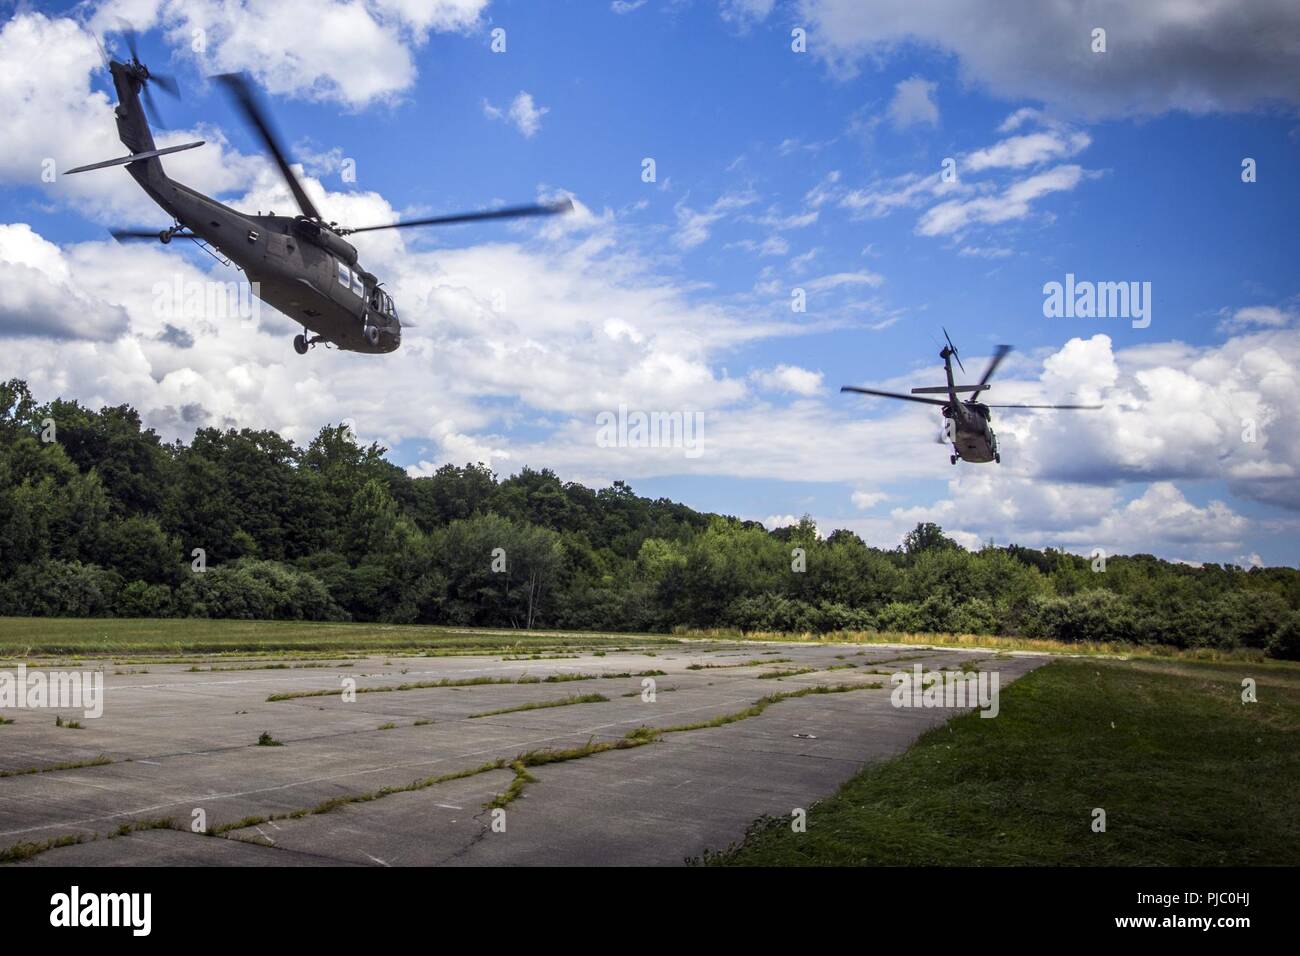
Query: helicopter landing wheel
column 998, row 459
column 165, row 236
column 300, row 344
column 953, row 459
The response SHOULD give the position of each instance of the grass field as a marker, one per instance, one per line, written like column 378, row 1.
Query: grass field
column 991, row 641
column 1187, row 774
column 35, row 636
column 90, row 637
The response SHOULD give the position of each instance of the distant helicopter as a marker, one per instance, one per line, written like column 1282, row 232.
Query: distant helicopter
column 967, row 422
column 301, row 264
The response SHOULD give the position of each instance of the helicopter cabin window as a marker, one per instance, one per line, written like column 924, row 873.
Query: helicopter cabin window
column 350, row 280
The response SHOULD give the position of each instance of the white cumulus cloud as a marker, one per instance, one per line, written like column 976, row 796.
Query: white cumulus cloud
column 523, row 112
column 789, row 378
column 913, row 103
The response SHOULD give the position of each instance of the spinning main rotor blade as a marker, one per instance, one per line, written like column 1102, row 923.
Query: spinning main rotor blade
column 905, row 398
column 1083, row 407
column 241, row 91
column 998, row 355
column 508, row 212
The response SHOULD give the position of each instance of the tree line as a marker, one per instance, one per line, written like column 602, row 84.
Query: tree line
column 99, row 516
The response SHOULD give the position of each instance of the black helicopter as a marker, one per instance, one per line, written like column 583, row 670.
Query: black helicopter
column 967, row 422
column 301, row 264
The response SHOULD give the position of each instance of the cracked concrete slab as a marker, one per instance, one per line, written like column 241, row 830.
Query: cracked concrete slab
column 183, row 740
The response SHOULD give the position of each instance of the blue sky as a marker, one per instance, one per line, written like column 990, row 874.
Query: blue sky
column 775, row 171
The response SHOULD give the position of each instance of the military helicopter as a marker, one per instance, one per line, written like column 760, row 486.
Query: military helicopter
column 966, row 424
column 301, row 265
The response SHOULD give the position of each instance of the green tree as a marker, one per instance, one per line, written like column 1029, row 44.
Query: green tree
column 927, row 536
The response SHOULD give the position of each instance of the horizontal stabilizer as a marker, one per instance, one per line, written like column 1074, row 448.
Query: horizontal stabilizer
column 134, row 157
column 943, row 389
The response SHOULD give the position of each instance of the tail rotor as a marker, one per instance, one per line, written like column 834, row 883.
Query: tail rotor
column 952, row 350
column 165, row 82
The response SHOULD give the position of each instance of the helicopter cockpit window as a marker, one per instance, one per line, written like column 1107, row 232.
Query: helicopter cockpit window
column 358, row 287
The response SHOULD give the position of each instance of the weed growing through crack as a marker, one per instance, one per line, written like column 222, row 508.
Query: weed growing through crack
column 543, row 704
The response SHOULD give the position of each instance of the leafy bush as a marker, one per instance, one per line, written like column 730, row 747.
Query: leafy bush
column 139, row 599
column 840, row 617
column 1094, row 615
column 1285, row 643
column 54, row 588
column 256, row 590
column 770, row 612
column 901, row 616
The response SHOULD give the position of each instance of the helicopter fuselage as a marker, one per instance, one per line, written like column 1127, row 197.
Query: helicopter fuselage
column 967, row 425
column 298, row 266
column 300, row 269
column 967, row 428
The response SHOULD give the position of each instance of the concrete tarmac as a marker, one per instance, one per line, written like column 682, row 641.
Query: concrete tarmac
column 183, row 746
